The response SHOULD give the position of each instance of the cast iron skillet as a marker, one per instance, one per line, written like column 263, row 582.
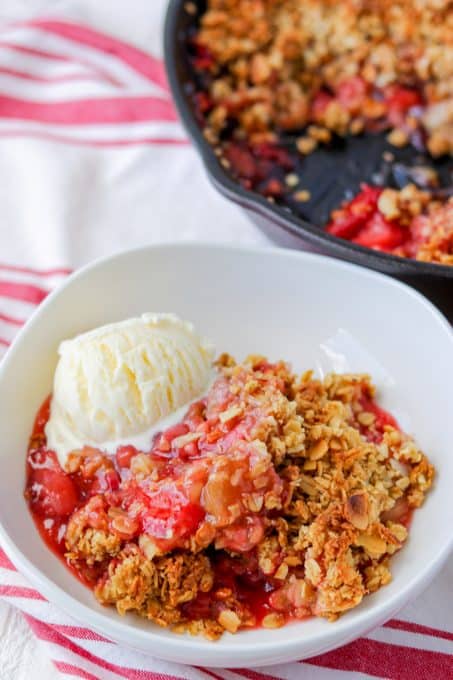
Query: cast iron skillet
column 326, row 173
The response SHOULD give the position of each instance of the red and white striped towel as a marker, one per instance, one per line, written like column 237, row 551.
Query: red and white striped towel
column 66, row 82
column 93, row 160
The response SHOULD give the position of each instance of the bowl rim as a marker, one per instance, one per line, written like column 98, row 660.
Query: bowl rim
column 293, row 225
column 177, row 646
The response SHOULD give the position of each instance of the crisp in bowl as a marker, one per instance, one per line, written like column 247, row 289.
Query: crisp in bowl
column 279, row 303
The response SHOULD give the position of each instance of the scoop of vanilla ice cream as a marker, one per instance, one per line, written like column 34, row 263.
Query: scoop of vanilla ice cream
column 114, row 383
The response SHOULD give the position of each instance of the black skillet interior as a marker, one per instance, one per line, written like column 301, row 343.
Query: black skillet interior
column 329, row 174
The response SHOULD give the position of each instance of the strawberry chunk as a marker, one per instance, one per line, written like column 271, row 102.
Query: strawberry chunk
column 53, row 493
column 352, row 92
column 381, row 234
column 319, row 105
column 353, row 216
column 168, row 515
column 399, row 101
column 124, row 455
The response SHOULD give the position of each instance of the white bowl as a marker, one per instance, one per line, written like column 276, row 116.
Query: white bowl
column 280, row 303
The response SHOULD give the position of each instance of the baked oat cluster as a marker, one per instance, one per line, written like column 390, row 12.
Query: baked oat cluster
column 336, row 67
column 277, row 497
column 408, row 222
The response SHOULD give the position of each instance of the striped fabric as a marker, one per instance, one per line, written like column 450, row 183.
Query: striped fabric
column 69, row 83
column 65, row 82
column 21, row 290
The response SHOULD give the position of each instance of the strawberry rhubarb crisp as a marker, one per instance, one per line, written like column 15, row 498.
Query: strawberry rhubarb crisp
column 276, row 79
column 407, row 222
column 276, row 497
column 272, row 66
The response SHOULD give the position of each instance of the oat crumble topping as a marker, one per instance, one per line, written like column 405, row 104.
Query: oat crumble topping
column 278, row 497
column 409, row 222
column 280, row 65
